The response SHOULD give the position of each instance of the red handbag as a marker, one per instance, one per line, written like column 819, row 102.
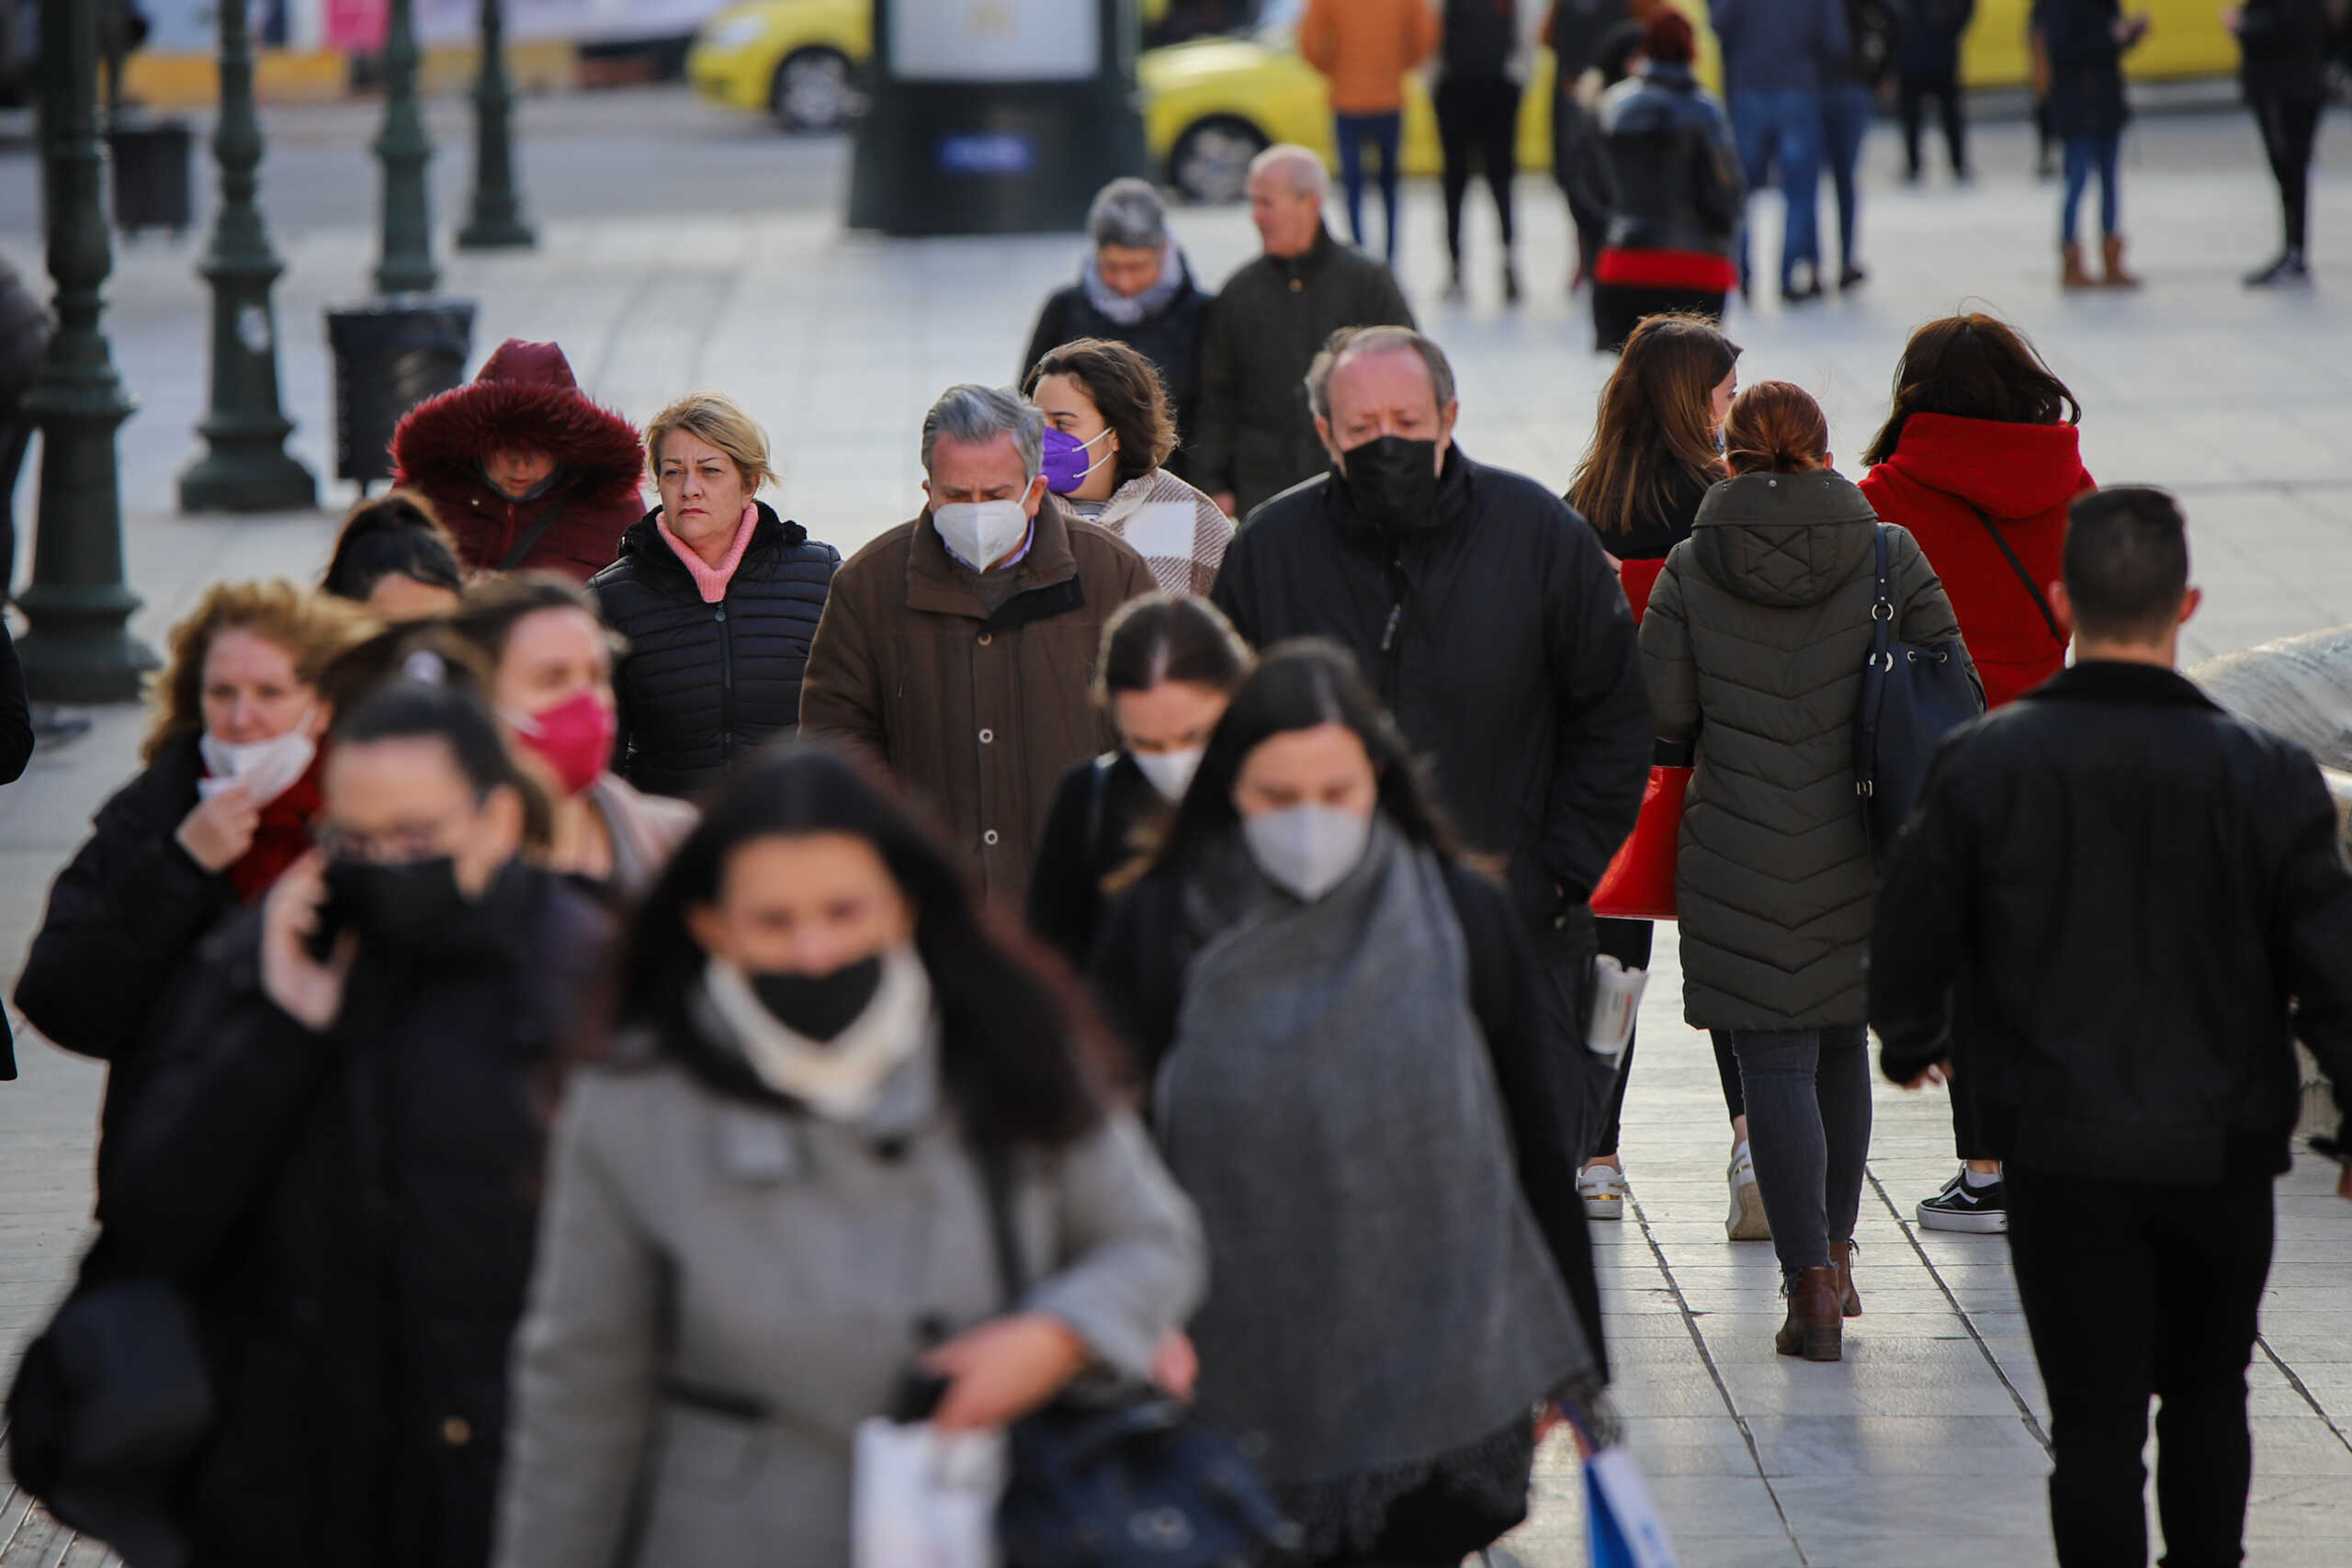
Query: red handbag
column 1639, row 883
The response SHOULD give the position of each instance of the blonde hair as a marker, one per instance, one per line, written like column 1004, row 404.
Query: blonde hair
column 314, row 629
column 718, row 421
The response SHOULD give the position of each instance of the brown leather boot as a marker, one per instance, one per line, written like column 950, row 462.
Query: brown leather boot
column 1814, row 1324
column 2113, row 256
column 2071, row 274
column 1841, row 1257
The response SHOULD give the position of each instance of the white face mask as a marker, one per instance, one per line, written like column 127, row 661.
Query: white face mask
column 980, row 533
column 1171, row 772
column 1306, row 850
column 266, row 768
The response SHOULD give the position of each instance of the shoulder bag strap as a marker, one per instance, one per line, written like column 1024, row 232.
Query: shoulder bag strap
column 2023, row 576
column 996, row 1181
column 533, row 535
column 1882, row 661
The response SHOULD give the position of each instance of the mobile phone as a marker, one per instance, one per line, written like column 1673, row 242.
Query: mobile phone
column 335, row 915
column 917, row 1394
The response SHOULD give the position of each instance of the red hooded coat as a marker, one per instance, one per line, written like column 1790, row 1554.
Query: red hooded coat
column 525, row 397
column 1943, row 472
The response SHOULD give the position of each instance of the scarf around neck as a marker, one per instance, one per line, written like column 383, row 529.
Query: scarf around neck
column 1126, row 310
column 1317, row 1043
column 711, row 581
column 843, row 1079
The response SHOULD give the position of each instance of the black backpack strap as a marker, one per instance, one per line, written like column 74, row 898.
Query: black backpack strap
column 996, row 1181
column 2023, row 576
column 533, row 535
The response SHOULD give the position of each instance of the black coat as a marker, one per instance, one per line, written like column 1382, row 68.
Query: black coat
column 1500, row 638
column 353, row 1214
column 1138, row 972
column 1170, row 338
column 2086, row 66
column 1927, row 47
column 124, row 916
column 2283, row 49
column 1090, row 834
column 16, row 751
column 702, row 686
column 1674, row 179
column 2132, row 898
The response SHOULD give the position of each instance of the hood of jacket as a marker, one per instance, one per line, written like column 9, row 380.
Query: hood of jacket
column 2005, row 470
column 1784, row 539
column 524, row 396
column 643, row 542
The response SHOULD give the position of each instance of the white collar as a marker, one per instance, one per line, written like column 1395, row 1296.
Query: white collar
column 844, row 1079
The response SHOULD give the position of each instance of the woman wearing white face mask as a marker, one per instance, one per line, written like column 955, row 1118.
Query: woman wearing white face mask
column 221, row 808
column 1168, row 668
column 1315, row 983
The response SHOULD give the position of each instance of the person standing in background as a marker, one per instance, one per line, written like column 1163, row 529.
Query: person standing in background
column 1778, row 55
column 2086, row 42
column 1585, row 37
column 1849, row 95
column 1477, row 119
column 1366, row 49
column 1927, row 65
column 2282, row 46
column 1257, row 436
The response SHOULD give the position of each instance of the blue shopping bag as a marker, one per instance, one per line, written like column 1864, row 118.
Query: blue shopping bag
column 1621, row 1524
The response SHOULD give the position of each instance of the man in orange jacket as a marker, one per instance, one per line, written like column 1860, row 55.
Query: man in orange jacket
column 1365, row 48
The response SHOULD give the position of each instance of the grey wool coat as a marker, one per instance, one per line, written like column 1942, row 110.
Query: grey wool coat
column 725, row 1289
column 1754, row 642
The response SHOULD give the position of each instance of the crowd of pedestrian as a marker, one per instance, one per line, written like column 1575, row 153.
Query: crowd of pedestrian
column 605, row 1004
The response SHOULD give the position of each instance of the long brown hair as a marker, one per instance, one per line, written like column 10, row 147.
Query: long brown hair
column 1973, row 366
column 1656, row 421
column 1775, row 427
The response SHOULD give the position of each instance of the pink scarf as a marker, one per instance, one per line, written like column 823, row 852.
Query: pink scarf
column 712, row 581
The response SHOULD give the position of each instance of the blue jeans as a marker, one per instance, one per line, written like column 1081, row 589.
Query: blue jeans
column 2092, row 149
column 1808, row 1093
column 1847, row 112
column 1781, row 128
column 1382, row 132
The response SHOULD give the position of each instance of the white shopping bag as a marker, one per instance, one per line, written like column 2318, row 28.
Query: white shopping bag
column 923, row 1498
column 1623, row 1526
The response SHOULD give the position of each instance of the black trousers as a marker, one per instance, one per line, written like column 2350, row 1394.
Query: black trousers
column 1629, row 942
column 2288, row 126
column 1580, row 1081
column 1911, row 100
column 2133, row 1290
column 1478, row 118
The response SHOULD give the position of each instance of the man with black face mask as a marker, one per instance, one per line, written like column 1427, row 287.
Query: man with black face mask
column 1492, row 622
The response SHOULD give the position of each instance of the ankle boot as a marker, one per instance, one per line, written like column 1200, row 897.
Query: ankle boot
column 2116, row 277
column 1814, row 1324
column 2071, row 274
column 1841, row 1257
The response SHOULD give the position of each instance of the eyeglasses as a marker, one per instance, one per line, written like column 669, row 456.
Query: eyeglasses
column 409, row 842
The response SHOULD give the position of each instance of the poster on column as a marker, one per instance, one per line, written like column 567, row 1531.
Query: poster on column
column 995, row 40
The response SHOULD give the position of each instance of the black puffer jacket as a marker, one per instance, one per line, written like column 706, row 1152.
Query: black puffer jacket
column 353, row 1214
column 1169, row 337
column 705, row 685
column 1674, row 174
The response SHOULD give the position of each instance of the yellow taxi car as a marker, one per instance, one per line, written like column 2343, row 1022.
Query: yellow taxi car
column 798, row 60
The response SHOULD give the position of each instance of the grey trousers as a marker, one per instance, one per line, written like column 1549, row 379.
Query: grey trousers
column 1808, row 1093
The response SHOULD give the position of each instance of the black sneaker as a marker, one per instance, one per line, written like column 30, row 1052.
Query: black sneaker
column 1851, row 278
column 1978, row 1211
column 2290, row 268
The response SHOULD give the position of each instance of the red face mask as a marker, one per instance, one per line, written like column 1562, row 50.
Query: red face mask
column 575, row 737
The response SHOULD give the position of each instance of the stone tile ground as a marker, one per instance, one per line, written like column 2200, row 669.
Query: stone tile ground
column 716, row 259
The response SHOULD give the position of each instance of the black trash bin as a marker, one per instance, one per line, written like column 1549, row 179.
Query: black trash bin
column 389, row 355
column 152, row 182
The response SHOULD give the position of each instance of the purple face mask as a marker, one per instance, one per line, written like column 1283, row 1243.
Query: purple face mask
column 1065, row 465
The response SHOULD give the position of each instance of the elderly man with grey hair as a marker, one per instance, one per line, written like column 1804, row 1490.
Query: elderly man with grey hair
column 1255, row 435
column 1135, row 289
column 1485, row 613
column 957, row 648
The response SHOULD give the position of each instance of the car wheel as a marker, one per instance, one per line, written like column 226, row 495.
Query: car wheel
column 814, row 90
column 1211, row 162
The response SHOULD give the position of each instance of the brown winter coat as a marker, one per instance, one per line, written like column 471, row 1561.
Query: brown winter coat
column 525, row 397
column 976, row 714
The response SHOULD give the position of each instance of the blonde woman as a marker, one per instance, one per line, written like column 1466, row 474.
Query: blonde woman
column 717, row 597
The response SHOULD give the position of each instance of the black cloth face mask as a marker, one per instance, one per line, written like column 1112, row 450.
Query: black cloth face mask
column 819, row 1006
column 413, row 906
column 1392, row 479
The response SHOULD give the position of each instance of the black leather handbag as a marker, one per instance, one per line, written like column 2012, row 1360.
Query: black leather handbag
column 1116, row 1474
column 1913, row 695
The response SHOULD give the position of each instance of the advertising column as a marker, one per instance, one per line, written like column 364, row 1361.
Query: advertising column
column 995, row 116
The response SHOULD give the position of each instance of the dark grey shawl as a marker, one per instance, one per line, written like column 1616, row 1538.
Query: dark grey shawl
column 1382, row 1306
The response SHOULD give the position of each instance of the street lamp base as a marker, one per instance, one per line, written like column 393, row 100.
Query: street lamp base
column 77, row 649
column 248, row 481
column 497, row 234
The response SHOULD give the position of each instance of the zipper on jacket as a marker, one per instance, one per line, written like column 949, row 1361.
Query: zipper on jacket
column 1391, row 674
column 725, row 686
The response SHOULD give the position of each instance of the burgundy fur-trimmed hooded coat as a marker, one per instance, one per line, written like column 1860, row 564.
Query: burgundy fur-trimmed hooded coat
column 525, row 397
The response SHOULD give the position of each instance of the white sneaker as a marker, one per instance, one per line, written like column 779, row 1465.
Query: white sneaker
column 1747, row 1221
column 1603, row 1188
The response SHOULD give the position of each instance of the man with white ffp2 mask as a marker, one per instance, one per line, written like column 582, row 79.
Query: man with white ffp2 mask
column 957, row 648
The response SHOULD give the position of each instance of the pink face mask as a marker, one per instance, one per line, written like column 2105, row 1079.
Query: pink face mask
column 575, row 737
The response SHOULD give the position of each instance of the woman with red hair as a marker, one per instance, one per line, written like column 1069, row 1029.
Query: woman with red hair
column 1676, row 195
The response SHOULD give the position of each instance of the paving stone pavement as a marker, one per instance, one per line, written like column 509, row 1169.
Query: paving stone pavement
column 1928, row 1443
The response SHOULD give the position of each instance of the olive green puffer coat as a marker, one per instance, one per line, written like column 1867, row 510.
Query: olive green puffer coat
column 1755, row 642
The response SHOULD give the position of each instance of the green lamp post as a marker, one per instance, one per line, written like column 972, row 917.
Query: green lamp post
column 404, row 150
column 496, row 223
column 248, row 468
column 78, row 649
